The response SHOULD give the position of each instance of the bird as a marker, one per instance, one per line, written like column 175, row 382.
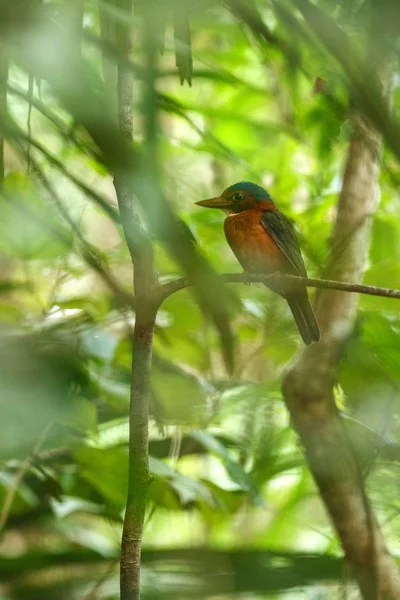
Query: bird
column 264, row 241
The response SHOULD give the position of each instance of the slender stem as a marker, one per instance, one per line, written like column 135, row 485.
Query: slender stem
column 139, row 477
column 13, row 132
column 141, row 252
column 284, row 283
column 13, row 489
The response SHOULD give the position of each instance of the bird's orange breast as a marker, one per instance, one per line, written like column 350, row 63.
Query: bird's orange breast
column 252, row 245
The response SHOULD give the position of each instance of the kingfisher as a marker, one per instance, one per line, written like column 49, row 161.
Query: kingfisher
column 264, row 241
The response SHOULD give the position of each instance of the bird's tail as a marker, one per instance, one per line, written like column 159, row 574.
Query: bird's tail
column 305, row 319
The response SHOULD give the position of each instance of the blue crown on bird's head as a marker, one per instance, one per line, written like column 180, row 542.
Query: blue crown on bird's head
column 254, row 190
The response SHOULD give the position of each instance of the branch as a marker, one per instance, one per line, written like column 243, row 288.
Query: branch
column 308, row 386
column 141, row 251
column 84, row 249
column 67, row 133
column 20, row 474
column 88, row 104
column 13, row 132
column 363, row 80
column 283, row 283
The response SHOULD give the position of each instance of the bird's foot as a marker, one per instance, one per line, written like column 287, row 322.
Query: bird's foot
column 246, row 278
column 276, row 283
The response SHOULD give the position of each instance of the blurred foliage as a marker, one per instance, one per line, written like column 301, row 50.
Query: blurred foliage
column 232, row 508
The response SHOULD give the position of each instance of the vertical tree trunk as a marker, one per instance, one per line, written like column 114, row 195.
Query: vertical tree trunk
column 142, row 258
column 139, row 477
column 308, row 386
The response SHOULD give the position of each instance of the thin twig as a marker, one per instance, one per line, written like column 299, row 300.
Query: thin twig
column 285, row 283
column 15, row 133
column 68, row 134
column 141, row 251
column 9, row 499
column 95, row 590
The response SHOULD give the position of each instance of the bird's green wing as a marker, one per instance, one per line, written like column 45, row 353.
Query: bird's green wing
column 281, row 230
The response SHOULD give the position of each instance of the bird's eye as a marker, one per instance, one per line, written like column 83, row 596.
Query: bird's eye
column 237, row 197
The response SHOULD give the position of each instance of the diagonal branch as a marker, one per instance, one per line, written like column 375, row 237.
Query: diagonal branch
column 19, row 476
column 13, row 132
column 88, row 104
column 309, row 384
column 86, row 251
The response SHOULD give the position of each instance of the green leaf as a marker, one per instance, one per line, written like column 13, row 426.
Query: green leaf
column 189, row 490
column 233, row 467
column 106, row 469
column 180, row 393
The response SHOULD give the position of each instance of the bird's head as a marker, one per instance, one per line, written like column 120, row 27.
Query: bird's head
column 240, row 196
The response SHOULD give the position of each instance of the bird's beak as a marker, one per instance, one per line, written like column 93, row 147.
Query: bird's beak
column 218, row 202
